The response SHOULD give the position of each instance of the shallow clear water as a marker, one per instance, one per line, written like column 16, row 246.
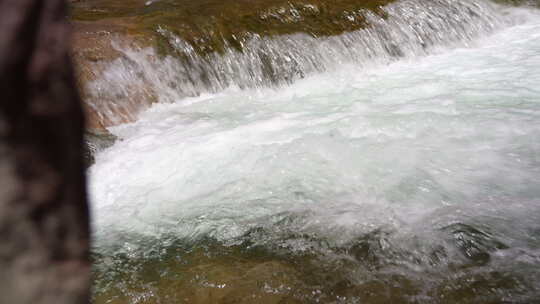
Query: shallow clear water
column 426, row 168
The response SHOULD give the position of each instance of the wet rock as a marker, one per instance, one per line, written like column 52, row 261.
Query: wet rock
column 475, row 244
column 195, row 33
column 105, row 29
column 520, row 2
column 95, row 142
column 95, row 46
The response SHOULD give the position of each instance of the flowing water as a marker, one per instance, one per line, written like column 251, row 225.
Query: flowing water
column 395, row 164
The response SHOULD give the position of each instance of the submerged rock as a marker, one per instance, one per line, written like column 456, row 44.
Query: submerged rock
column 476, row 245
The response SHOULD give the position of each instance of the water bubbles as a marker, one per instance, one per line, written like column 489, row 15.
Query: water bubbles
column 410, row 28
column 393, row 182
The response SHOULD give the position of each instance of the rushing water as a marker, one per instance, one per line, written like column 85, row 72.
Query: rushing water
column 406, row 28
column 401, row 181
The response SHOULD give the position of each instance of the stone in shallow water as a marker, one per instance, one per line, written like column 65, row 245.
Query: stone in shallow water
column 475, row 244
column 95, row 142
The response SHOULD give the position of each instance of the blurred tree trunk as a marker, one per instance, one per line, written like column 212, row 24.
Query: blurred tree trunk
column 44, row 232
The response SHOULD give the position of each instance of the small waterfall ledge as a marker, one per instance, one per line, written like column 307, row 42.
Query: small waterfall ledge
column 122, row 74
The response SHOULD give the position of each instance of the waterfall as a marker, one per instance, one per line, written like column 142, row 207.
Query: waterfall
column 406, row 29
column 398, row 163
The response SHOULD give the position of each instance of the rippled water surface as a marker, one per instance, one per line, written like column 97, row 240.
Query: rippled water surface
column 415, row 181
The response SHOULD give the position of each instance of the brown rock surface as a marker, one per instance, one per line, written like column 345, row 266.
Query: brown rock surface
column 94, row 47
column 102, row 27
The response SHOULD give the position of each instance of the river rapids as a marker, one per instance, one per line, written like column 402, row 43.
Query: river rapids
column 395, row 164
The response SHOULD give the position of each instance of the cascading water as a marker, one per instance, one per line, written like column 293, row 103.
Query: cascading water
column 402, row 165
column 408, row 28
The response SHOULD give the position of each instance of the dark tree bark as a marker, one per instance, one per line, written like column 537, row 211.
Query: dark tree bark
column 44, row 232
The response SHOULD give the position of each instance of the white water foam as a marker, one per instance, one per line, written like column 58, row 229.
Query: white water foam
column 410, row 28
column 412, row 147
